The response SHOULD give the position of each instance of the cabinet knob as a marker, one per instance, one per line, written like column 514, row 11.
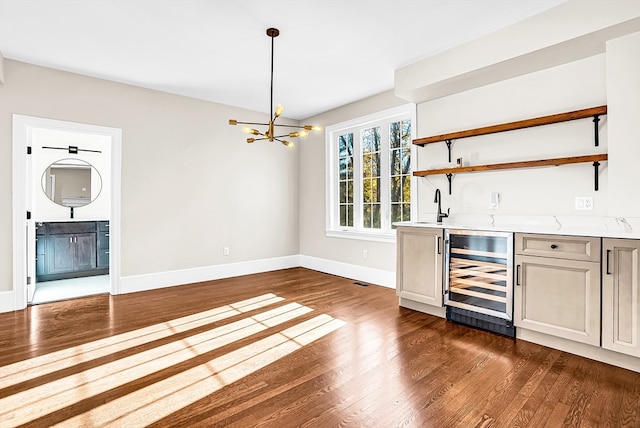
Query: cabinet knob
column 554, row 246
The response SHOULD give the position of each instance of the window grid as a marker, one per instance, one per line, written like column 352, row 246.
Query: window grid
column 371, row 174
column 400, row 165
column 345, row 162
column 369, row 178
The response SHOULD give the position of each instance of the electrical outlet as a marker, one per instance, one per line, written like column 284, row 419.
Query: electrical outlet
column 584, row 203
column 365, row 254
column 225, row 251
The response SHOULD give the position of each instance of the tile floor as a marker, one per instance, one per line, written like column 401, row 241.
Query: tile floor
column 51, row 291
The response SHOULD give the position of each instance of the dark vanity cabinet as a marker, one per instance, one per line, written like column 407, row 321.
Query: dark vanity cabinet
column 71, row 249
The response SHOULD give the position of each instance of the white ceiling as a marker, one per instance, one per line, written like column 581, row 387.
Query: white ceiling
column 329, row 52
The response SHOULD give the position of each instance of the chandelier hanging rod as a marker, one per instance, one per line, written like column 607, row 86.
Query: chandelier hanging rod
column 269, row 133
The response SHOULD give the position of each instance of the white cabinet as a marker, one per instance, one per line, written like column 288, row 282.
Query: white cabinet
column 557, row 288
column 621, row 295
column 419, row 264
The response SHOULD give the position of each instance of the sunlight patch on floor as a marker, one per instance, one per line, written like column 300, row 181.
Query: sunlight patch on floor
column 163, row 398
column 39, row 366
column 172, row 393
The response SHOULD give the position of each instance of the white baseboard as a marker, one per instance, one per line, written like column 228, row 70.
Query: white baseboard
column 134, row 283
column 361, row 273
column 7, row 301
column 146, row 282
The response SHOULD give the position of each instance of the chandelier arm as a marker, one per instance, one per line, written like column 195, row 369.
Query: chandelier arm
column 288, row 126
column 252, row 123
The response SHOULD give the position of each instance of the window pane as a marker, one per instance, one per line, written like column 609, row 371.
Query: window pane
column 366, row 191
column 395, row 135
column 375, row 214
column 343, row 215
column 395, row 162
column 343, row 192
column 400, row 134
column 375, row 190
column 350, row 191
column 366, row 216
column 406, row 212
column 396, row 190
column 350, row 215
column 371, row 140
column 396, row 213
column 345, row 145
column 375, row 165
column 343, row 169
column 406, row 161
column 406, row 189
column 366, row 165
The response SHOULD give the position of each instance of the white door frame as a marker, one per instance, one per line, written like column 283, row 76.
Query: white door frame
column 22, row 201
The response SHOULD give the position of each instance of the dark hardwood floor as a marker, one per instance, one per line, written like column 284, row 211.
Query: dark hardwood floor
column 310, row 350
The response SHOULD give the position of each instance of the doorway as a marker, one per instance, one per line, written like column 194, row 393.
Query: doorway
column 46, row 151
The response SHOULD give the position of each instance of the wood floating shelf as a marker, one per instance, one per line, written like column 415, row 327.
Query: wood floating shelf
column 520, row 124
column 449, row 172
column 514, row 165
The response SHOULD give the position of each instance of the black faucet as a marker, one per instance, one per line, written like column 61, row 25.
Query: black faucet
column 437, row 200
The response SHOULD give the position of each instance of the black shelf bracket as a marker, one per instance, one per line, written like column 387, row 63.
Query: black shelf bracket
column 596, row 173
column 450, row 177
column 596, row 134
column 448, row 143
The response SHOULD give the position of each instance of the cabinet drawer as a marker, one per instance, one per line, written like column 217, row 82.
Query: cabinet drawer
column 558, row 246
column 71, row 227
column 103, row 259
column 41, row 228
column 103, row 240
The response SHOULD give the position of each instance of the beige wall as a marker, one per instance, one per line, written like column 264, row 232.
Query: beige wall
column 190, row 184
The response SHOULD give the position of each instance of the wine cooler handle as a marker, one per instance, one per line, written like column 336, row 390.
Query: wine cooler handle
column 438, row 245
column 517, row 274
column 608, row 254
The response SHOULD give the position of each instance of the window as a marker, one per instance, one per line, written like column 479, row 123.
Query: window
column 369, row 181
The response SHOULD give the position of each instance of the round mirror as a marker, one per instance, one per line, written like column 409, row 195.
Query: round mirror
column 71, row 182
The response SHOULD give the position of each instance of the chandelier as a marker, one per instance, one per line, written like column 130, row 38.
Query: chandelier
column 269, row 133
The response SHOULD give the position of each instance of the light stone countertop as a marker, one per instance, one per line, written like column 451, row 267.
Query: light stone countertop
column 606, row 227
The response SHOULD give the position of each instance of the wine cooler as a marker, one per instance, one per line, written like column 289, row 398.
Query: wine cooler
column 479, row 279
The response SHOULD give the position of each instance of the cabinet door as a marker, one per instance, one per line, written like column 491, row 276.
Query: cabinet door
column 41, row 265
column 85, row 251
column 60, row 253
column 621, row 296
column 558, row 297
column 419, row 265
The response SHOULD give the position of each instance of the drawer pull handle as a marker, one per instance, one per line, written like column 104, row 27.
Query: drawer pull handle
column 608, row 254
column 106, row 252
column 518, row 275
column 106, row 234
column 554, row 246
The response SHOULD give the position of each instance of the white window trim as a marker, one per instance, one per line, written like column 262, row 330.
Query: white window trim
column 333, row 228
